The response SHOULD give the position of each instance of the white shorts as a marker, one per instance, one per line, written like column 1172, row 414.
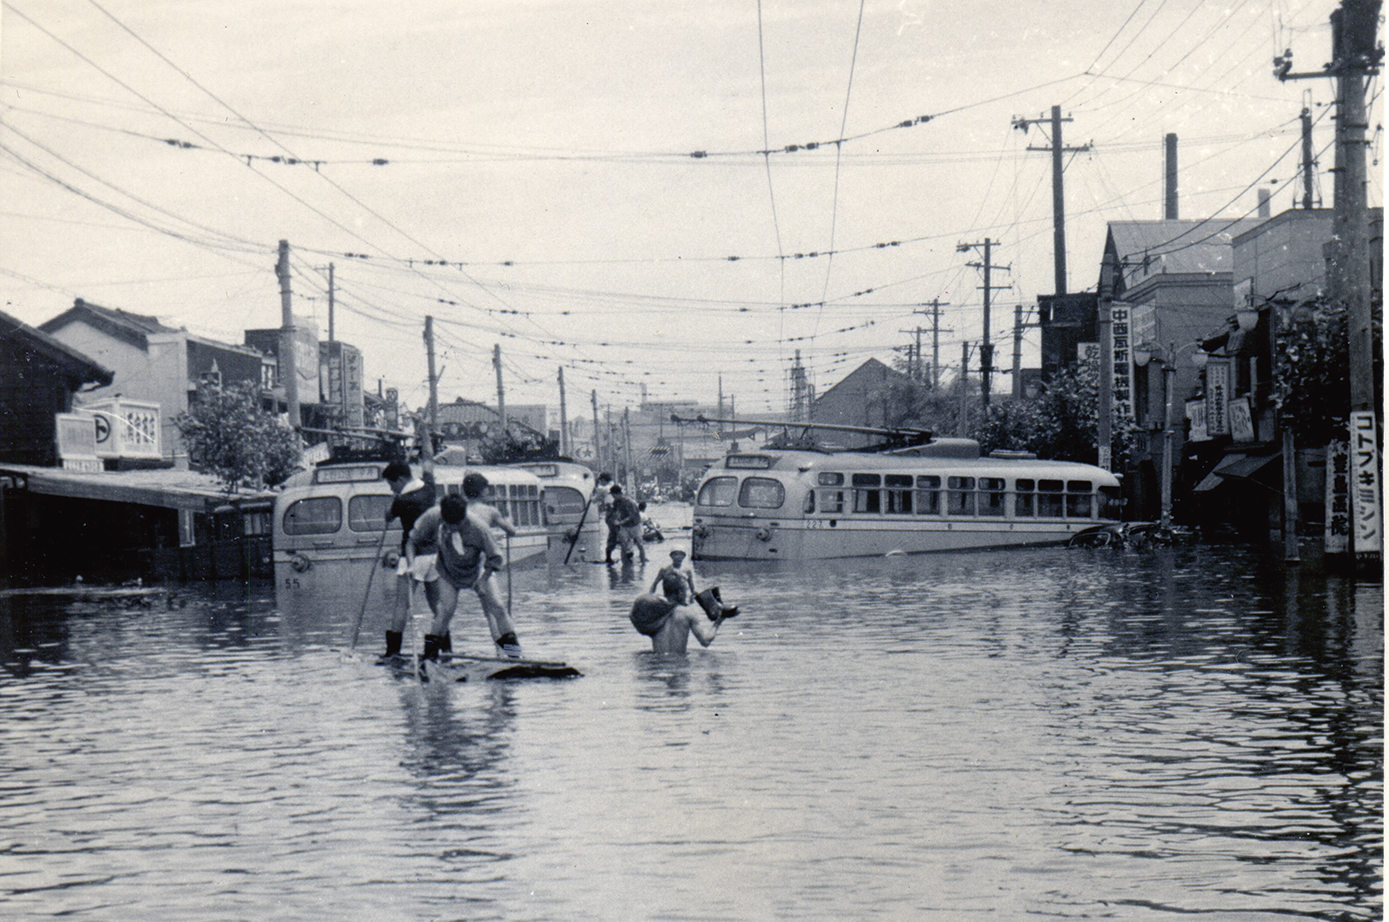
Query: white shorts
column 424, row 570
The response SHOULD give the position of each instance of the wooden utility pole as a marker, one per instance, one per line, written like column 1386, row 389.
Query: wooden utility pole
column 935, row 305
column 962, row 427
column 501, row 393
column 597, row 444
column 1058, row 196
column 563, row 417
column 986, row 348
column 1018, row 327
column 330, row 302
column 289, row 336
column 433, row 384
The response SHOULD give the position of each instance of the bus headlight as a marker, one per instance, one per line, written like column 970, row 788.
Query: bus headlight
column 300, row 563
column 763, row 534
column 390, row 559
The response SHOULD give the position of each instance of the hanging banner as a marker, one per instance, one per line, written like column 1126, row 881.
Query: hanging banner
column 1217, row 396
column 1122, row 403
column 1364, row 458
column 1336, row 532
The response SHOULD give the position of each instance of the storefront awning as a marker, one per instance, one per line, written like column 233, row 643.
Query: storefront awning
column 1235, row 467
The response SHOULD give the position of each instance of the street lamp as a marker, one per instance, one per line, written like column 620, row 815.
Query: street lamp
column 1142, row 355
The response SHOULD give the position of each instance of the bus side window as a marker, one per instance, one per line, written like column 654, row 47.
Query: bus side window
column 1050, row 494
column 960, row 495
column 991, row 496
column 830, row 500
column 927, row 495
column 867, row 497
column 1079, row 501
column 1024, row 501
column 898, row 493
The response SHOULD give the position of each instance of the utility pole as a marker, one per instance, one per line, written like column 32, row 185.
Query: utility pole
column 501, row 394
column 962, row 427
column 563, row 418
column 1018, row 327
column 627, row 452
column 330, row 302
column 289, row 336
column 935, row 306
column 597, row 444
column 986, row 348
column 1354, row 55
column 433, row 385
column 1058, row 197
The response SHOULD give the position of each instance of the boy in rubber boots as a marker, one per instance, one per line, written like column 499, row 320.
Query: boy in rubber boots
column 466, row 557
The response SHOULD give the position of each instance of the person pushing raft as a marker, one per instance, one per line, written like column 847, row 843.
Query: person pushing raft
column 669, row 620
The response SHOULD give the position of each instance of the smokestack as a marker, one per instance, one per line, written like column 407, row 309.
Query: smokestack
column 1263, row 203
column 1170, row 212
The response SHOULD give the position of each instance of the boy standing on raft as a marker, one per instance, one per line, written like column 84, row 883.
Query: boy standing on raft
column 467, row 556
column 413, row 496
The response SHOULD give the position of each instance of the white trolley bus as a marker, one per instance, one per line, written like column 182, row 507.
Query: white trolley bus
column 797, row 504
column 576, row 530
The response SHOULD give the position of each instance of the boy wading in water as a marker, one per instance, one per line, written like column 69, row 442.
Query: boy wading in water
column 466, row 557
column 669, row 620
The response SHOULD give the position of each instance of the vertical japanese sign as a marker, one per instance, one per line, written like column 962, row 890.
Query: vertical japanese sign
column 1123, row 362
column 1217, row 396
column 1364, row 458
column 1196, row 413
column 1241, row 420
column 1336, row 533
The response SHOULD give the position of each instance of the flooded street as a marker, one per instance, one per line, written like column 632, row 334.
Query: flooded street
column 1164, row 734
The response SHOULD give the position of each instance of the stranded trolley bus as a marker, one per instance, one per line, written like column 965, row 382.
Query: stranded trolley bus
column 576, row 531
column 942, row 496
column 334, row 514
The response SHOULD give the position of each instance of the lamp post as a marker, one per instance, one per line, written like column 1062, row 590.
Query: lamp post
column 1142, row 354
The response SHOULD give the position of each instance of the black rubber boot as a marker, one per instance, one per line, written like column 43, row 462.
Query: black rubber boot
column 393, row 639
column 510, row 646
column 446, row 644
column 431, row 647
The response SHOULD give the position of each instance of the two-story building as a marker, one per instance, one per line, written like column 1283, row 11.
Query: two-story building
column 152, row 363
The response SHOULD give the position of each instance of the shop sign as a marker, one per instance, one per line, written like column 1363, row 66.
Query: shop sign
column 1336, row 533
column 1364, row 457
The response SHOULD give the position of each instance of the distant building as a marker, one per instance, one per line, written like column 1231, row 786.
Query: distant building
column 152, row 362
column 39, row 375
column 871, row 395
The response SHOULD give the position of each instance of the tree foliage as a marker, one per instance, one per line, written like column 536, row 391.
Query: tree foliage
column 1314, row 374
column 1061, row 423
column 230, row 436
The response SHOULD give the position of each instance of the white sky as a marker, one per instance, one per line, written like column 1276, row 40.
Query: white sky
column 541, row 150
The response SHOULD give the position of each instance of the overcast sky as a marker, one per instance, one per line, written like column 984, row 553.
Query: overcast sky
column 524, row 171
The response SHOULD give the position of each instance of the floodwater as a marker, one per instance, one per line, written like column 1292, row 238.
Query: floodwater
column 1180, row 733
